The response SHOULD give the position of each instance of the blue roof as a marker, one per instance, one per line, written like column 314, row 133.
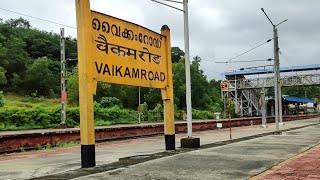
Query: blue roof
column 270, row 70
column 298, row 99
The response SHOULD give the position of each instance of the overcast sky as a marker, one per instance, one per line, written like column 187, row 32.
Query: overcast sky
column 219, row 29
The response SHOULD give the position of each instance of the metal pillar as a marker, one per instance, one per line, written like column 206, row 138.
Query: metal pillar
column 139, row 113
column 236, row 94
column 279, row 85
column 280, row 103
column 241, row 102
column 187, row 64
column 263, row 109
column 250, row 102
column 224, row 104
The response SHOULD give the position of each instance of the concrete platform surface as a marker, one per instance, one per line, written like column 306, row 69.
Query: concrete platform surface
column 303, row 166
column 237, row 160
column 240, row 160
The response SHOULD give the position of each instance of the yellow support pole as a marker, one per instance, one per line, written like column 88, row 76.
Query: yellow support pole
column 167, row 96
column 86, row 84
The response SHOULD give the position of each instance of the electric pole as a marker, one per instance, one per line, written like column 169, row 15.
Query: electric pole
column 276, row 78
column 187, row 64
column 277, row 84
column 188, row 142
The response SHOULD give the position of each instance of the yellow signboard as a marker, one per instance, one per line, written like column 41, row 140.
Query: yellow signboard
column 126, row 53
column 116, row 51
column 224, row 86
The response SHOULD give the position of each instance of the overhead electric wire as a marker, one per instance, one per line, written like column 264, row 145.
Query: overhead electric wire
column 167, row 5
column 53, row 22
column 208, row 61
column 248, row 50
column 173, row 1
column 255, row 60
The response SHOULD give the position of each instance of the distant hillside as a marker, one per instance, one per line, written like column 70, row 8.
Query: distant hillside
column 30, row 58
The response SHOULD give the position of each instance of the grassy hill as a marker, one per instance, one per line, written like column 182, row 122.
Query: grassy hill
column 14, row 100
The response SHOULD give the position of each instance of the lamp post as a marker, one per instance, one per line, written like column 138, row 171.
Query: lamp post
column 188, row 142
column 187, row 64
column 277, row 85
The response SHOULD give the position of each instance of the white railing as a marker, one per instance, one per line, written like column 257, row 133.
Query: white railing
column 299, row 80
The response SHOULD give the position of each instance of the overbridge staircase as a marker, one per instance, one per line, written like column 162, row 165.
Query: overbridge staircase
column 245, row 100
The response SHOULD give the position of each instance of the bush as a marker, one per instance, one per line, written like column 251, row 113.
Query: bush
column 39, row 117
column 178, row 115
column 103, row 116
column 115, row 115
column 73, row 116
column 18, row 118
column 197, row 114
column 156, row 114
column 36, row 117
column 33, row 99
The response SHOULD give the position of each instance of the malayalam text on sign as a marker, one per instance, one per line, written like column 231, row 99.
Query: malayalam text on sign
column 126, row 53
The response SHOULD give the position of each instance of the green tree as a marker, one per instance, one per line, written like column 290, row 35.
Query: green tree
column 152, row 97
column 199, row 83
column 302, row 91
column 16, row 82
column 214, row 93
column 102, row 91
column 107, row 102
column 176, row 54
column 128, row 95
column 3, row 79
column 21, row 45
column 73, row 87
column 17, row 57
column 20, row 22
column 39, row 77
column 179, row 85
column 205, row 94
column 2, row 100
column 3, row 52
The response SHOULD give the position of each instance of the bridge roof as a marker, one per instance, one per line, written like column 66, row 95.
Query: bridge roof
column 298, row 99
column 270, row 70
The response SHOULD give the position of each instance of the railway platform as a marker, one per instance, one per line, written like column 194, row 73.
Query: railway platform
column 11, row 141
column 251, row 150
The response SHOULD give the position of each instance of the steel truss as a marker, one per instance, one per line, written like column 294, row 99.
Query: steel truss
column 246, row 93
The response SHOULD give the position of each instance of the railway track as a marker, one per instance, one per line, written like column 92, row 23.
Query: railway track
column 13, row 141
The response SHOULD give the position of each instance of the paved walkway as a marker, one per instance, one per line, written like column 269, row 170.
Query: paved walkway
column 303, row 166
column 67, row 160
column 240, row 160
